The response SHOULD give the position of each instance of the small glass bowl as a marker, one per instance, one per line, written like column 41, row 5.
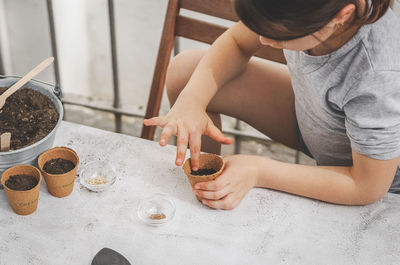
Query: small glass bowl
column 97, row 170
column 156, row 210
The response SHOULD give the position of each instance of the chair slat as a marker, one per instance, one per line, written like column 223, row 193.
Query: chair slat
column 271, row 54
column 207, row 32
column 198, row 30
column 218, row 8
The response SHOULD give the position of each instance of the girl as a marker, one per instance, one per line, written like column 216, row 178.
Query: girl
column 337, row 100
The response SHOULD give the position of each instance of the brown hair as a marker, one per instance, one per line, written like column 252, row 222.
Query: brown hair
column 292, row 19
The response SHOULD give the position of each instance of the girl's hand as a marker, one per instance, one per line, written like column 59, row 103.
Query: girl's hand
column 188, row 121
column 228, row 190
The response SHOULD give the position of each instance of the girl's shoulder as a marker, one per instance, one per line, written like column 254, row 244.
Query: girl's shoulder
column 382, row 43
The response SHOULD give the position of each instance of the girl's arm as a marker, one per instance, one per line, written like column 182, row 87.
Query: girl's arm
column 187, row 119
column 227, row 57
column 365, row 182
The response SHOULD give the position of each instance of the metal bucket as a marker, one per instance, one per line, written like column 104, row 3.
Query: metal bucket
column 29, row 154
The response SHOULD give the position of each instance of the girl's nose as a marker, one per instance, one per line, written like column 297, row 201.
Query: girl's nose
column 267, row 42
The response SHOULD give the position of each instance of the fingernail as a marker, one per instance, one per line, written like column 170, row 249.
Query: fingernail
column 162, row 141
column 178, row 160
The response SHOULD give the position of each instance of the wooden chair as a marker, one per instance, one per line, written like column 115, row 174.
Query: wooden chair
column 182, row 26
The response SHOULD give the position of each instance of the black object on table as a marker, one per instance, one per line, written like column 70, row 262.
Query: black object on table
column 108, row 256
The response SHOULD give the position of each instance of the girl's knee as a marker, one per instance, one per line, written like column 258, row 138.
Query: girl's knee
column 180, row 70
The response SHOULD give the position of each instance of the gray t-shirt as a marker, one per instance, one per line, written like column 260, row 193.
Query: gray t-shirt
column 350, row 99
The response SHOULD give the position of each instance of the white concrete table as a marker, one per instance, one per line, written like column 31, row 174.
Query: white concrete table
column 268, row 227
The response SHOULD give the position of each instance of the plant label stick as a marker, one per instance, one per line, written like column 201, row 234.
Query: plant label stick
column 5, row 139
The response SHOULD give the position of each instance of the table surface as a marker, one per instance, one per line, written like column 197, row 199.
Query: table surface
column 268, row 227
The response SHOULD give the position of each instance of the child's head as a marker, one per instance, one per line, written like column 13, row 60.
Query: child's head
column 303, row 24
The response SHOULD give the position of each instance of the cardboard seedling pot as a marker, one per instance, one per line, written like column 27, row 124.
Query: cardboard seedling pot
column 22, row 202
column 59, row 185
column 206, row 161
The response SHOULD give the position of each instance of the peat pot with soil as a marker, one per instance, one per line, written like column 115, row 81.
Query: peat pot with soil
column 211, row 167
column 58, row 166
column 22, row 184
column 31, row 117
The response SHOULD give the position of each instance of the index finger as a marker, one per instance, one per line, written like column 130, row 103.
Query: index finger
column 195, row 147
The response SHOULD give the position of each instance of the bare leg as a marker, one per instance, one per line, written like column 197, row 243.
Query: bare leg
column 262, row 96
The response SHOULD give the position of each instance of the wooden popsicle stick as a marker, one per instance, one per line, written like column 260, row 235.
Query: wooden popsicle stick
column 5, row 140
column 24, row 80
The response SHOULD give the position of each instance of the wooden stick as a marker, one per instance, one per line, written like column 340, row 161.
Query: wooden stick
column 5, row 140
column 24, row 80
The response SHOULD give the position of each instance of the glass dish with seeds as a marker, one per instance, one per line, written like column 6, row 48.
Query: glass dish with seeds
column 97, row 176
column 156, row 209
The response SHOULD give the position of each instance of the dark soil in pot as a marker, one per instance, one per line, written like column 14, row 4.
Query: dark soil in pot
column 58, row 166
column 28, row 115
column 21, row 182
column 204, row 172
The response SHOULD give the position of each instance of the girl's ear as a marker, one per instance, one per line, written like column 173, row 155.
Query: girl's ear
column 345, row 14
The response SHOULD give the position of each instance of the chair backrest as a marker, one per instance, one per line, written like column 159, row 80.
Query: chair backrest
column 176, row 24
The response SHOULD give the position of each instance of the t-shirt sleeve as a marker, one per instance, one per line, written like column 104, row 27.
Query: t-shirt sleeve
column 372, row 115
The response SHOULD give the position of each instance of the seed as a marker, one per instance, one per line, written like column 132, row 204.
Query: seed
column 98, row 180
column 157, row 216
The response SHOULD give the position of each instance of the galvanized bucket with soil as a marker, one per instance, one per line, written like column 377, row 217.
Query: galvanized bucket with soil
column 32, row 115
